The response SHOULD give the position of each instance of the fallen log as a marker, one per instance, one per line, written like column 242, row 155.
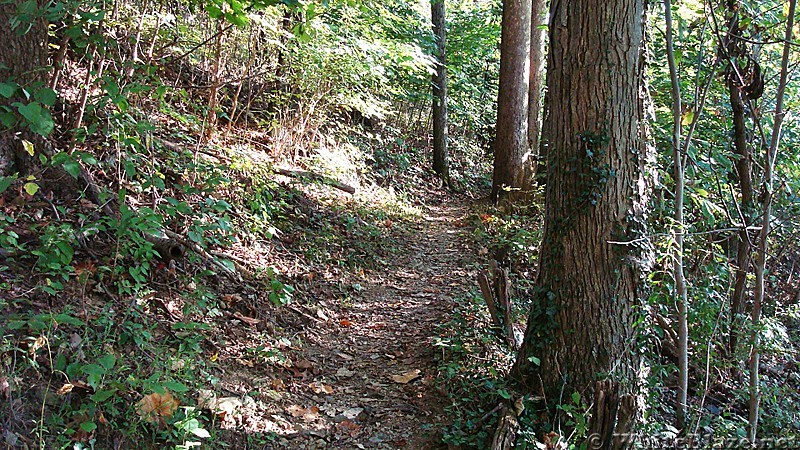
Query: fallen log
column 303, row 174
column 167, row 248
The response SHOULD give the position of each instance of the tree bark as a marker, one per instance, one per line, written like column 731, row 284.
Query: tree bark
column 763, row 235
column 678, row 229
column 743, row 174
column 594, row 255
column 23, row 59
column 511, row 144
column 538, row 19
column 440, row 155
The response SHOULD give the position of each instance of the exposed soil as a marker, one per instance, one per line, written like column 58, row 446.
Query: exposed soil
column 364, row 374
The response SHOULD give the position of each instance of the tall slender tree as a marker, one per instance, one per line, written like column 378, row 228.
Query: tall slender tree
column 581, row 335
column 511, row 151
column 440, row 155
column 762, row 243
column 538, row 20
column 678, row 233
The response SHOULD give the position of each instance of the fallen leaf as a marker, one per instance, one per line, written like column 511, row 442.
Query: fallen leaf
column 4, row 387
column 308, row 414
column 320, row 388
column 295, row 410
column 65, row 389
column 37, row 344
column 231, row 299
column 156, row 407
column 304, row 364
column 345, row 323
column 245, row 319
column 352, row 413
column 344, row 372
column 349, row 427
column 406, row 377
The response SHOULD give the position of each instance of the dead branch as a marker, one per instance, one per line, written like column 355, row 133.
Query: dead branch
column 301, row 174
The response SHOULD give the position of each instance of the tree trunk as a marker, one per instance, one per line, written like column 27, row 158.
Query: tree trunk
column 743, row 173
column 440, row 156
column 23, row 59
column 594, row 255
column 763, row 235
column 538, row 19
column 678, row 228
column 211, row 122
column 511, row 144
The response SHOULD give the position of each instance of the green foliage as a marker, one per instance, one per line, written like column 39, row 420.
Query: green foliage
column 473, row 386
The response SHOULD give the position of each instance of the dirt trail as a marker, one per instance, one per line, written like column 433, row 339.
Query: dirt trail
column 367, row 375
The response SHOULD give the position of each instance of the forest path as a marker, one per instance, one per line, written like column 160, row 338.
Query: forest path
column 367, row 374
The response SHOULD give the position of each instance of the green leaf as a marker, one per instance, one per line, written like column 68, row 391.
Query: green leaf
column 88, row 426
column 228, row 264
column 103, row 395
column 7, row 90
column 31, row 188
column 576, row 398
column 46, row 96
column 5, row 182
column 93, row 369
column 73, row 168
column 535, row 360
column 174, row 386
column 67, row 319
column 108, row 361
column 39, row 119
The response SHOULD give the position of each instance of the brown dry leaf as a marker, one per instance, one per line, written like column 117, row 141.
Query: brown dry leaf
column 295, row 410
column 345, row 323
column 65, row 389
column 85, row 267
column 5, row 388
column 304, row 365
column 245, row 319
column 40, row 342
column 320, row 388
column 231, row 299
column 349, row 427
column 308, row 414
column 311, row 414
column 406, row 377
column 155, row 407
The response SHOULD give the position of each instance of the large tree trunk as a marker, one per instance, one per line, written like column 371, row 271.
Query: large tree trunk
column 594, row 254
column 511, row 144
column 440, row 157
column 23, row 59
column 538, row 19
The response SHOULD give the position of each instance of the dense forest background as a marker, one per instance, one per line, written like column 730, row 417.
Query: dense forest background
column 187, row 187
